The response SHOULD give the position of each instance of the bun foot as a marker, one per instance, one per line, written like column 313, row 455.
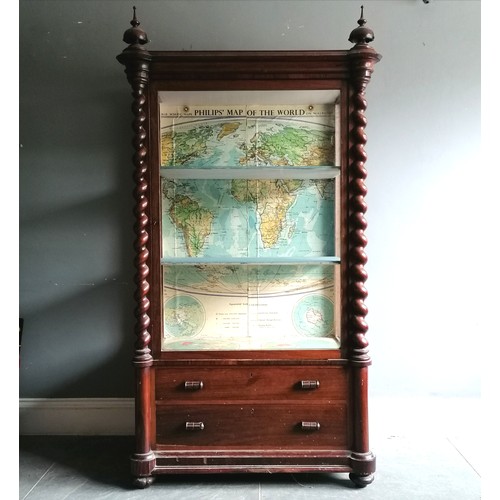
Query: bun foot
column 361, row 480
column 143, row 482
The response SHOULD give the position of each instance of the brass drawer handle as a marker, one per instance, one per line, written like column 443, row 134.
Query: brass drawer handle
column 193, row 385
column 307, row 385
column 195, row 426
column 310, row 426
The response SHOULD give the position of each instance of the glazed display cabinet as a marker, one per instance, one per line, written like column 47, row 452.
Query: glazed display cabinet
column 250, row 351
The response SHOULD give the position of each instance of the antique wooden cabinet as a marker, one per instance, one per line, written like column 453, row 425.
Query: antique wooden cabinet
column 251, row 353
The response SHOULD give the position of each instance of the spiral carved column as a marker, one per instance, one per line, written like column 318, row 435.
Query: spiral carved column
column 136, row 60
column 142, row 357
column 356, row 237
column 362, row 60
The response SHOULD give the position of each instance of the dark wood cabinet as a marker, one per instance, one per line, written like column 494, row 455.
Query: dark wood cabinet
column 250, row 350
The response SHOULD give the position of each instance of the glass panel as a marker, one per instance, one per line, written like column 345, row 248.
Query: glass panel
column 249, row 211
column 224, row 307
column 238, row 135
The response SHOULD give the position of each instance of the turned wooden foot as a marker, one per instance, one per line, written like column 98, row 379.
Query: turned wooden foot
column 361, row 480
column 143, row 481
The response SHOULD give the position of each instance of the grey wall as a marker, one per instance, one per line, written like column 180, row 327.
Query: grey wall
column 76, row 272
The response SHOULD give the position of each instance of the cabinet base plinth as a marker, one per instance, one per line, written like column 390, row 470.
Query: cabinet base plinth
column 360, row 469
column 142, row 465
column 363, row 464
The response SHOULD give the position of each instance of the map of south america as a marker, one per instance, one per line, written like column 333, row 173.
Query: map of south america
column 194, row 222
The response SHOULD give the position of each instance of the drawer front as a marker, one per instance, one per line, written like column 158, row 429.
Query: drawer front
column 271, row 426
column 307, row 383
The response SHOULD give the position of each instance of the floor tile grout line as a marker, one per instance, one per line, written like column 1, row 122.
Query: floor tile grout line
column 463, row 456
column 36, row 484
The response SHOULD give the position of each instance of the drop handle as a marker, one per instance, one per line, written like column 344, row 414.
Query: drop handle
column 310, row 426
column 308, row 385
column 195, row 426
column 193, row 385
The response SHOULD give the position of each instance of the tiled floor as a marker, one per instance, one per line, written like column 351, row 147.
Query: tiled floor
column 423, row 456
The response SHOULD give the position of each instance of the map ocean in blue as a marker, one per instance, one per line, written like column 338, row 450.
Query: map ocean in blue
column 231, row 157
column 215, row 154
column 306, row 230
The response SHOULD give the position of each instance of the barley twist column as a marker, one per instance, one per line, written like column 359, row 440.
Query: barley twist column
column 362, row 59
column 136, row 60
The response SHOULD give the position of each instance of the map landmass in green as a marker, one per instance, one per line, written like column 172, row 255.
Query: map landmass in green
column 272, row 199
column 194, row 221
column 271, row 144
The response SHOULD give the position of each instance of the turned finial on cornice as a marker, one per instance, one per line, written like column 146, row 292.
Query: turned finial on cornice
column 361, row 34
column 134, row 35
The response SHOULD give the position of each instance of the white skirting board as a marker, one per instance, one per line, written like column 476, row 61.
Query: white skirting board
column 76, row 416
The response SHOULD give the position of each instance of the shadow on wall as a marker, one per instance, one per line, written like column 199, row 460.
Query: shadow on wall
column 76, row 213
column 77, row 288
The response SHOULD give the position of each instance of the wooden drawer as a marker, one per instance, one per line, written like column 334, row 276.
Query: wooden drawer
column 260, row 425
column 306, row 383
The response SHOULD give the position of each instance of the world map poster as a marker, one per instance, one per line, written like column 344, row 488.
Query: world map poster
column 279, row 298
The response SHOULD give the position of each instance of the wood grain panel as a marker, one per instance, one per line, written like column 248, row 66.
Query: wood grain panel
column 252, row 383
column 250, row 425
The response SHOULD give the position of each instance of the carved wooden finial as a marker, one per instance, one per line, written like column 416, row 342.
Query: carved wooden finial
column 134, row 35
column 361, row 34
column 135, row 22
column 135, row 57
